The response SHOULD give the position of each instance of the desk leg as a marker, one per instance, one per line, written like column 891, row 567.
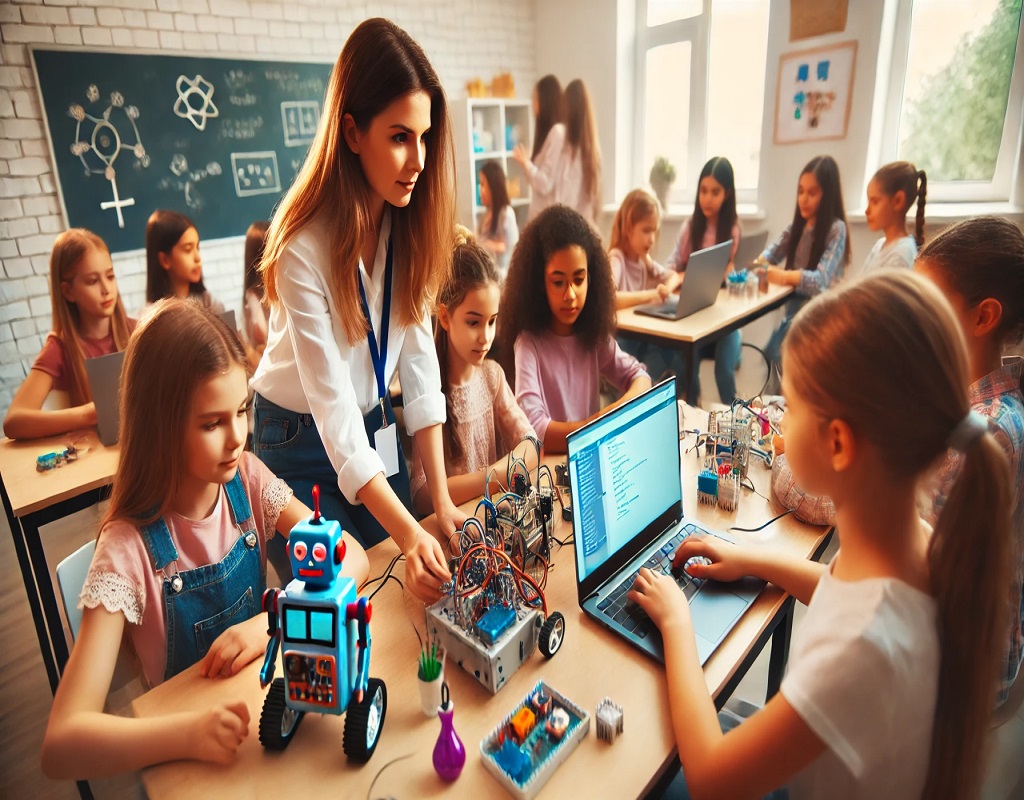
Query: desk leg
column 46, row 595
column 692, row 367
column 27, row 577
column 780, row 650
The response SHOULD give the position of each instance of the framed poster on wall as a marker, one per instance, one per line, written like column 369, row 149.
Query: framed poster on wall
column 812, row 99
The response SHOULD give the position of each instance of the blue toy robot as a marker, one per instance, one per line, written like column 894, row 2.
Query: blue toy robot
column 324, row 630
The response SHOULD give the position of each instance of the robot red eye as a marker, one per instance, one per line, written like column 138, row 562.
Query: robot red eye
column 299, row 550
column 319, row 552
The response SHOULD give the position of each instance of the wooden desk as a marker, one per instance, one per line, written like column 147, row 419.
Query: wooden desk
column 729, row 313
column 33, row 499
column 591, row 664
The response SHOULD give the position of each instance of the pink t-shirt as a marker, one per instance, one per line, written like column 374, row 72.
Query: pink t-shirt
column 557, row 378
column 684, row 247
column 485, row 420
column 121, row 576
column 53, row 358
column 635, row 274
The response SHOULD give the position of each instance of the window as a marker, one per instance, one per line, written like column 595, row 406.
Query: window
column 955, row 97
column 700, row 77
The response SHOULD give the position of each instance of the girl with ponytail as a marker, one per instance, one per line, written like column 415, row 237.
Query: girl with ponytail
column 891, row 192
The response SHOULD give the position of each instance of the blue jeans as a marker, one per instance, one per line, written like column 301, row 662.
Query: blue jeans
column 657, row 359
column 290, row 445
column 773, row 352
column 726, row 352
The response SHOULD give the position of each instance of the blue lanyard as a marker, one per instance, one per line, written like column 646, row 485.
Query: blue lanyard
column 379, row 357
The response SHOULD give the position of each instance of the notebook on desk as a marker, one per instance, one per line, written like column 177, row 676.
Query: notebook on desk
column 104, row 373
column 624, row 479
column 705, row 272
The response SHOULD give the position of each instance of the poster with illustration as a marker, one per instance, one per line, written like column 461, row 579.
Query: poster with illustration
column 814, row 92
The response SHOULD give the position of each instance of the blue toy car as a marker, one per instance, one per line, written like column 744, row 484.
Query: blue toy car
column 323, row 629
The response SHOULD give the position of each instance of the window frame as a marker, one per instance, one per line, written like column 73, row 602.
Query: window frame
column 1007, row 173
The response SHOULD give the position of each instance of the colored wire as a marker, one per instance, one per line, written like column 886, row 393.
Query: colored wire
column 762, row 527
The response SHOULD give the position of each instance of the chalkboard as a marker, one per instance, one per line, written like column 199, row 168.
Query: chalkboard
column 218, row 139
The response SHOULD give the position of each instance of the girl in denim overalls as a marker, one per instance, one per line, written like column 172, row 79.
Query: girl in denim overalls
column 180, row 556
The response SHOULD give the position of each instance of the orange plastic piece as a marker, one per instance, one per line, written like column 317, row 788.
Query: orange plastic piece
column 522, row 723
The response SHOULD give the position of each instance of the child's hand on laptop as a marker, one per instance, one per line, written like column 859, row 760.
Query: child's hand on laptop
column 662, row 599
column 727, row 561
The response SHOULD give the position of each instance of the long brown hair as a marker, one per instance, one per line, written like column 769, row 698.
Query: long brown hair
column 164, row 230
column 68, row 250
column 495, row 177
column 176, row 347
column 826, row 173
column 902, row 176
column 472, row 268
column 720, row 169
column 379, row 64
column 886, row 356
column 581, row 138
column 255, row 244
column 636, row 206
column 549, row 111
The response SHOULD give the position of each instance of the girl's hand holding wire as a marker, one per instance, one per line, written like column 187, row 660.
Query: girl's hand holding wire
column 425, row 568
column 728, row 561
column 662, row 599
column 216, row 734
column 450, row 520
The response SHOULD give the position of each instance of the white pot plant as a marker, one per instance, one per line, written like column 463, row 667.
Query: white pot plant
column 663, row 175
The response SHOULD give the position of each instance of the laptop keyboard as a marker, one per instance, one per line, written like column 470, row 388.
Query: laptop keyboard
column 628, row 613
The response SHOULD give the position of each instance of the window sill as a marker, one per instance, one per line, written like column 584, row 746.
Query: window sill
column 949, row 212
column 748, row 212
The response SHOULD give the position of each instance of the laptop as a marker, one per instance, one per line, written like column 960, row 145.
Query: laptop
column 750, row 248
column 104, row 373
column 704, row 275
column 624, row 480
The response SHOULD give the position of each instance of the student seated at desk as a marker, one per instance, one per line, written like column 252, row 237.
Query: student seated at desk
column 180, row 563
column 558, row 312
column 889, row 686
column 174, row 267
column 484, row 421
column 88, row 321
column 815, row 245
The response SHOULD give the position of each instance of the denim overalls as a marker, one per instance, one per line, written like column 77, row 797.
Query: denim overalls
column 201, row 603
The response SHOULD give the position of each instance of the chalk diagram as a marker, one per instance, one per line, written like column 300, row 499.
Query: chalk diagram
column 105, row 143
column 187, row 181
column 255, row 173
column 198, row 89
column 300, row 119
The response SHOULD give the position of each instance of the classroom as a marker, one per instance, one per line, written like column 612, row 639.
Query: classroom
column 526, row 241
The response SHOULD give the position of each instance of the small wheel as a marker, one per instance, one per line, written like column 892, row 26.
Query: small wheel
column 364, row 722
column 552, row 634
column 278, row 722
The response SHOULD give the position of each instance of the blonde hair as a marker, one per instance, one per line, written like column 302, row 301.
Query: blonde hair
column 379, row 64
column 177, row 346
column 886, row 356
column 68, row 250
column 637, row 206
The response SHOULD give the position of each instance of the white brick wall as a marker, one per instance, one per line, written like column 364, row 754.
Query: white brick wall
column 463, row 38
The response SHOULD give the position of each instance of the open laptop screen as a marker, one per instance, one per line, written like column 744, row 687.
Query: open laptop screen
column 624, row 476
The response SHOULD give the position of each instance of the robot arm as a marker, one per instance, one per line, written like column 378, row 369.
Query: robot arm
column 361, row 611
column 270, row 598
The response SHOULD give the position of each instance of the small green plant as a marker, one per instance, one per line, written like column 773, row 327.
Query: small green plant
column 430, row 662
column 662, row 173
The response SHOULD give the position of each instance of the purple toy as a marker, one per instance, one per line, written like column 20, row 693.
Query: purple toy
column 449, row 753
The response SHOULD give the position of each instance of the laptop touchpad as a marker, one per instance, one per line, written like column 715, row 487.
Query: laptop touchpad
column 715, row 611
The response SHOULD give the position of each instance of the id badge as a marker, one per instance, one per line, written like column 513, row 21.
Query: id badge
column 385, row 442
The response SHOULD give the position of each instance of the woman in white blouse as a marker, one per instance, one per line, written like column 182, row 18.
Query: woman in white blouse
column 349, row 227
column 543, row 166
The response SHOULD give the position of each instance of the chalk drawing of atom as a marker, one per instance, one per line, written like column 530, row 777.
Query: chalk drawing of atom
column 100, row 149
column 195, row 101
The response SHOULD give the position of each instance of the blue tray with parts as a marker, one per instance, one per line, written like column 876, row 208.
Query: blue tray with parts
column 526, row 747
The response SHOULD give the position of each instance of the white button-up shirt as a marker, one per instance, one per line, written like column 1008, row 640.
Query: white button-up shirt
column 309, row 367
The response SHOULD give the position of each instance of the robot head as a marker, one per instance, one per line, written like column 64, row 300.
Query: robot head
column 316, row 549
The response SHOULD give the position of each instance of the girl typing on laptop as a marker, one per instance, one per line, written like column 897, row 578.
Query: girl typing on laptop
column 890, row 683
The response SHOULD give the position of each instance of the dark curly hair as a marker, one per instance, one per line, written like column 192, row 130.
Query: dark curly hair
column 524, row 305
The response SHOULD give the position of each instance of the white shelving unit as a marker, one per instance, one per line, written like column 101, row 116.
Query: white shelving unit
column 488, row 129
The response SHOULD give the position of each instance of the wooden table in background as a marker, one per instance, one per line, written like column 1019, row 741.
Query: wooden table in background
column 33, row 499
column 729, row 313
column 591, row 664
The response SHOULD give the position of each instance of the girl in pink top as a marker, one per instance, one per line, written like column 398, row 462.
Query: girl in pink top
column 484, row 421
column 714, row 221
column 179, row 568
column 88, row 321
column 564, row 346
